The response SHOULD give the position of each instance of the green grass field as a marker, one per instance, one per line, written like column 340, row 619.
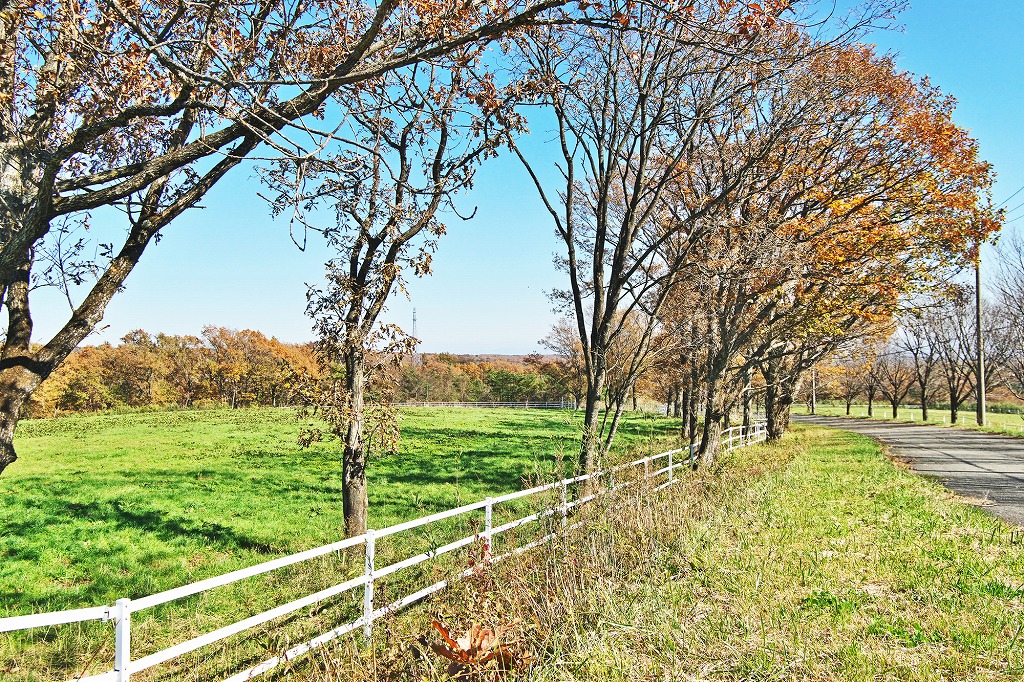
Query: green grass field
column 843, row 566
column 816, row 559
column 101, row 507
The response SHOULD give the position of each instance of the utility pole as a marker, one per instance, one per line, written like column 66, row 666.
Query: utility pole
column 415, row 355
column 980, row 341
column 814, row 391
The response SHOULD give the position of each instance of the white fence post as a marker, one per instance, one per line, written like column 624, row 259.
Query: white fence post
column 122, row 638
column 670, row 470
column 488, row 525
column 565, row 504
column 368, row 587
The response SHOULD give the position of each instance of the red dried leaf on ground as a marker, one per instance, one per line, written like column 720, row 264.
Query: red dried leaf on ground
column 478, row 646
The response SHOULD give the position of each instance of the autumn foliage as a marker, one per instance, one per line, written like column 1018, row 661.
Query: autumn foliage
column 220, row 367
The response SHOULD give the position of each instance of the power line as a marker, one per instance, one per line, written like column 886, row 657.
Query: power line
column 1015, row 208
column 1007, row 200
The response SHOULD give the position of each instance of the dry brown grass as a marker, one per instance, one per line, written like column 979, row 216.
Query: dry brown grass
column 590, row 583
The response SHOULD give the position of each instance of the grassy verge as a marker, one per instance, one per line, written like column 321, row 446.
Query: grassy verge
column 835, row 566
column 815, row 560
column 101, row 507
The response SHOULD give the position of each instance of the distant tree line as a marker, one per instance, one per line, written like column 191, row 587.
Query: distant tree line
column 221, row 366
column 231, row 368
column 445, row 377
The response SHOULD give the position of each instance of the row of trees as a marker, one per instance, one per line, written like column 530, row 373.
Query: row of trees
column 732, row 216
column 739, row 188
column 932, row 356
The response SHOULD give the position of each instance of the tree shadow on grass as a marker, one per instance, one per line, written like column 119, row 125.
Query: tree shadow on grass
column 113, row 524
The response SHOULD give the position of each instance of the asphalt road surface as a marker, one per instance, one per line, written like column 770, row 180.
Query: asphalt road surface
column 985, row 466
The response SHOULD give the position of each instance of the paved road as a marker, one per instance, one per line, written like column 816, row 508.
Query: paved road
column 974, row 464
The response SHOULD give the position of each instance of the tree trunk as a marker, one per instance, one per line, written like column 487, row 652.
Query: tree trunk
column 682, row 405
column 895, row 409
column 16, row 387
column 777, row 406
column 778, row 403
column 591, row 436
column 747, row 416
column 849, row 404
column 871, row 403
column 714, row 413
column 614, row 428
column 771, row 401
column 954, row 405
column 354, row 499
column 693, row 406
column 924, row 402
column 814, row 392
column 711, row 439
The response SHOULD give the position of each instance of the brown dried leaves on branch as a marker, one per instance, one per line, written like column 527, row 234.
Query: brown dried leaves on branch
column 481, row 651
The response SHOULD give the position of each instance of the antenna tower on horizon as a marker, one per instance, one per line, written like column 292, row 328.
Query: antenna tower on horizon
column 415, row 355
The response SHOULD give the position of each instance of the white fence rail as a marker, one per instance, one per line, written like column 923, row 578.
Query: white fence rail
column 521, row 405
column 663, row 465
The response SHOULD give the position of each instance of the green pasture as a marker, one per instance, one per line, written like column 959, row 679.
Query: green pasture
column 107, row 506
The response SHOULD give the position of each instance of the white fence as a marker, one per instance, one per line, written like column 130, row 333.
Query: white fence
column 524, row 405
column 121, row 612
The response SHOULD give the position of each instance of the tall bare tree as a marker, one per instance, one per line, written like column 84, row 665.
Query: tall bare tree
column 916, row 340
column 894, row 373
column 633, row 109
column 951, row 330
column 412, row 141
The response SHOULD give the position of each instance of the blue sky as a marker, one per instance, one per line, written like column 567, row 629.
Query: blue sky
column 230, row 264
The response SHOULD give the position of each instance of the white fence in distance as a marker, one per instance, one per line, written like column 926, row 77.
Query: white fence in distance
column 121, row 612
column 521, row 405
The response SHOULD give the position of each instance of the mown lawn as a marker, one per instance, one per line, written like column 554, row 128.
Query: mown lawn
column 102, row 507
column 131, row 504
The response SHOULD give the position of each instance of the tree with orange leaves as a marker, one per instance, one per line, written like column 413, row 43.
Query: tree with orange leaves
column 903, row 205
column 866, row 193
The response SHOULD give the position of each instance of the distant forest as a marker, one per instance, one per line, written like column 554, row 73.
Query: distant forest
column 225, row 367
